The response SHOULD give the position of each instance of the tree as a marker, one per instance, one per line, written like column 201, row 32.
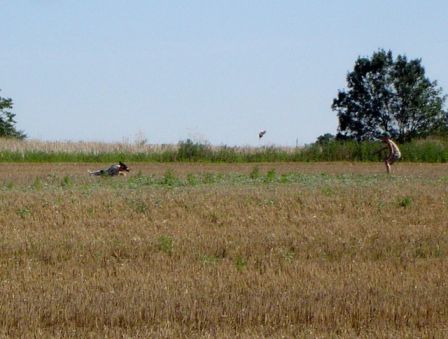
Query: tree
column 387, row 95
column 325, row 139
column 7, row 122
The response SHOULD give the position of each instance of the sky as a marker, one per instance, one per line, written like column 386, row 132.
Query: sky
column 215, row 71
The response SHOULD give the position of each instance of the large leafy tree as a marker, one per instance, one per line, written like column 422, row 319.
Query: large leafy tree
column 389, row 95
column 7, row 122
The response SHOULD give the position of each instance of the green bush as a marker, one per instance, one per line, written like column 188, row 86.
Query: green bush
column 166, row 244
column 193, row 151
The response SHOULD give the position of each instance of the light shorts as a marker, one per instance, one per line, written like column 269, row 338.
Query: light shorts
column 393, row 157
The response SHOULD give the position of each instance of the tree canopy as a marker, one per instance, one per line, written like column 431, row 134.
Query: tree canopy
column 7, row 122
column 389, row 95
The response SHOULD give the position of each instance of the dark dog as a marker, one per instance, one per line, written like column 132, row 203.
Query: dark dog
column 120, row 169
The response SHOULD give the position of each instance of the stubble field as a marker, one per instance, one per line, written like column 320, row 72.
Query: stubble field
column 223, row 251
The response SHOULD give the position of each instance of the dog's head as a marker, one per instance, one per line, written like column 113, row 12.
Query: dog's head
column 123, row 167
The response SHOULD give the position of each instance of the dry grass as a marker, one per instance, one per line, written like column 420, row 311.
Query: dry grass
column 126, row 146
column 22, row 146
column 355, row 255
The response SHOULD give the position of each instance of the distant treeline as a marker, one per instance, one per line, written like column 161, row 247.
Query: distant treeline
column 429, row 150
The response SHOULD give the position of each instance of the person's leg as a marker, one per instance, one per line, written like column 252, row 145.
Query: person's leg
column 386, row 162
column 390, row 161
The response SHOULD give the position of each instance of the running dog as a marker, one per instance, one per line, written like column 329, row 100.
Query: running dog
column 120, row 169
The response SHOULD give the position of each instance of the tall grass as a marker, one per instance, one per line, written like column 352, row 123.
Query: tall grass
column 430, row 150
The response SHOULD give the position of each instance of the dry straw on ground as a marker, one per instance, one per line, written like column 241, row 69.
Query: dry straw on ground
column 330, row 254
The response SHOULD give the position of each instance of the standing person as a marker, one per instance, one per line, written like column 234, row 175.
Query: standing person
column 394, row 151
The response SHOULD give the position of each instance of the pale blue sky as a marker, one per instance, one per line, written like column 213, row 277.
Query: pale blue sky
column 209, row 70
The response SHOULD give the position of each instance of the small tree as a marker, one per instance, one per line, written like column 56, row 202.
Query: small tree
column 387, row 95
column 7, row 122
column 325, row 139
column 192, row 151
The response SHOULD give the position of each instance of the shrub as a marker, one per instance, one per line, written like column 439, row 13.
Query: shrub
column 193, row 151
column 165, row 244
column 271, row 176
column 255, row 173
column 405, row 202
column 169, row 178
column 240, row 263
